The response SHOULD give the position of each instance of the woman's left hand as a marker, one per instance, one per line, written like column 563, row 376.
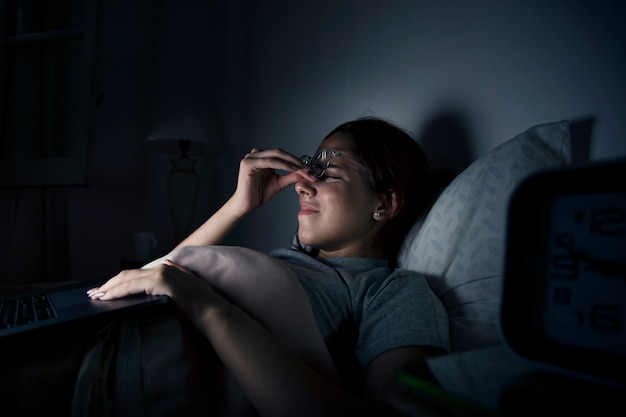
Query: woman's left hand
column 165, row 279
column 134, row 281
column 190, row 293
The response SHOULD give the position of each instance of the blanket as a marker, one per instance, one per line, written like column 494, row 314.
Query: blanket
column 153, row 363
column 268, row 290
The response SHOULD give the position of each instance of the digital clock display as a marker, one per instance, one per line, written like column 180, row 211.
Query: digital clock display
column 564, row 287
column 585, row 291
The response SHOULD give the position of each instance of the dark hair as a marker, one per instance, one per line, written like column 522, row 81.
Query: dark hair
column 394, row 161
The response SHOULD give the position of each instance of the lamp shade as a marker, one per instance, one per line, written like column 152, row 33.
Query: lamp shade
column 191, row 126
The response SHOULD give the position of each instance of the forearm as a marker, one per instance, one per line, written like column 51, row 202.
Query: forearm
column 257, row 184
column 275, row 380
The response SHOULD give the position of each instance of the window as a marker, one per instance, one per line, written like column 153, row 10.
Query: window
column 46, row 91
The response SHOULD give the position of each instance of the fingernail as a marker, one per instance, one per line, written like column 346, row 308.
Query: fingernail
column 98, row 294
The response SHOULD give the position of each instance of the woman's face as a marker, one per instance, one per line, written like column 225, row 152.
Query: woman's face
column 336, row 212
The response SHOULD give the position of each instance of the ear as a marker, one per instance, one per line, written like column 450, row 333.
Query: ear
column 389, row 205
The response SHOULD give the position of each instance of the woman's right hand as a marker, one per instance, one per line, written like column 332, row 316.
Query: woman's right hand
column 258, row 181
column 257, row 184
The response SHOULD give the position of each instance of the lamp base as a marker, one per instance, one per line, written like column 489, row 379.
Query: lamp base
column 182, row 194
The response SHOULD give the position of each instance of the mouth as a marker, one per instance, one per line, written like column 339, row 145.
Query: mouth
column 306, row 210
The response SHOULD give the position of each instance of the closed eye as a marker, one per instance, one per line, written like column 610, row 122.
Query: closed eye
column 333, row 172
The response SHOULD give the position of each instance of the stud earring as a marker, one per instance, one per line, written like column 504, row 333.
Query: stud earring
column 377, row 214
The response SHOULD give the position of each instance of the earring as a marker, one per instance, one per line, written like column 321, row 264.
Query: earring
column 377, row 214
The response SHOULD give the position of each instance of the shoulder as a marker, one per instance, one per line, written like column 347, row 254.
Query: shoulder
column 406, row 274
column 401, row 283
column 403, row 311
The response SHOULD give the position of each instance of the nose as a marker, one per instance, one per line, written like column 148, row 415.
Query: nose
column 304, row 187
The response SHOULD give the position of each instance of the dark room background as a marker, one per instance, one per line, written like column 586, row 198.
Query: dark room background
column 462, row 76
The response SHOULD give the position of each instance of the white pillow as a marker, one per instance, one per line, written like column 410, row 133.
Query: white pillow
column 459, row 245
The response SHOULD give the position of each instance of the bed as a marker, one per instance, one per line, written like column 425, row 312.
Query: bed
column 458, row 245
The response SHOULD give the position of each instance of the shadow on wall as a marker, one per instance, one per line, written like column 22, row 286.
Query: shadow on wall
column 581, row 131
column 446, row 140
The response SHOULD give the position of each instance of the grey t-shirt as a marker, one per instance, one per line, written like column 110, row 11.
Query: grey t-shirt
column 364, row 309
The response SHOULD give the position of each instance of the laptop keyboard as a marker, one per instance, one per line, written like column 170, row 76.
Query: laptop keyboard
column 24, row 309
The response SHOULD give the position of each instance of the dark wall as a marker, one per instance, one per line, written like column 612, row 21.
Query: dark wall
column 463, row 76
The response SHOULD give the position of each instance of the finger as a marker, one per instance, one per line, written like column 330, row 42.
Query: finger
column 122, row 276
column 254, row 150
column 126, row 288
column 92, row 291
column 306, row 174
column 95, row 291
column 253, row 165
column 293, row 177
column 125, row 283
column 278, row 158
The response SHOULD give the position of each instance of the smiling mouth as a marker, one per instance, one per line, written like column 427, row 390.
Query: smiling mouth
column 307, row 210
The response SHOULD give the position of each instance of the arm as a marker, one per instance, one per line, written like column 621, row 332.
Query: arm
column 257, row 184
column 280, row 383
column 288, row 385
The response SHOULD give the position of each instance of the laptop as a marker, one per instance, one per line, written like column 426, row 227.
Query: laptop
column 65, row 303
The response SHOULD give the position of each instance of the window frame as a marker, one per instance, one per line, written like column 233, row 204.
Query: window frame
column 71, row 168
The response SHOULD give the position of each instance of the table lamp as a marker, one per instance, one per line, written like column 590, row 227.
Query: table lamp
column 185, row 133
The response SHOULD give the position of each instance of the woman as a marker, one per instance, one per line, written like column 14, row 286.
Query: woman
column 358, row 197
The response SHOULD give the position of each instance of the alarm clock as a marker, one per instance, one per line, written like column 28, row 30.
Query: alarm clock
column 564, row 286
